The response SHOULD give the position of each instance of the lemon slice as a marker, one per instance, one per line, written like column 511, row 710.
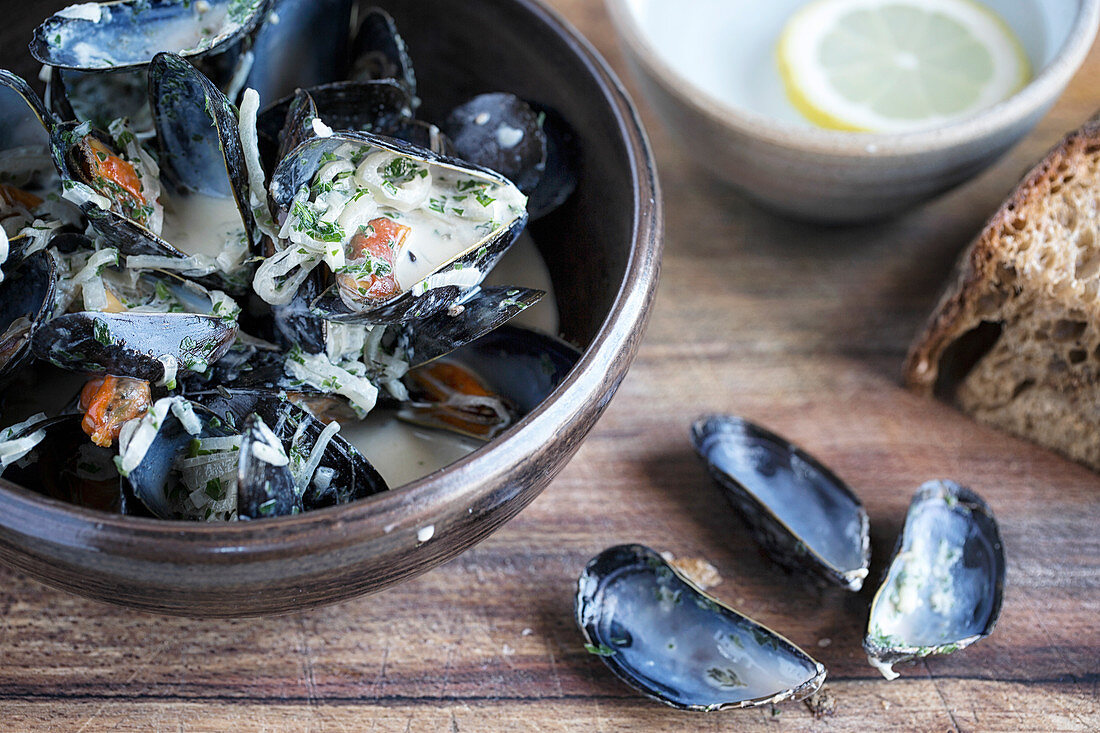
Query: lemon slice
column 897, row 65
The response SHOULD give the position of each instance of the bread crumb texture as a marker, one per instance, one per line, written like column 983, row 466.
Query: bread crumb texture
column 1015, row 339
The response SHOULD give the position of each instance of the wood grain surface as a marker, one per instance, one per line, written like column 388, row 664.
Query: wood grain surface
column 799, row 327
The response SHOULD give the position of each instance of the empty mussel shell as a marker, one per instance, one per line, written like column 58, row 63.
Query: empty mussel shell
column 798, row 510
column 134, row 344
column 945, row 584
column 198, row 136
column 127, row 33
column 667, row 639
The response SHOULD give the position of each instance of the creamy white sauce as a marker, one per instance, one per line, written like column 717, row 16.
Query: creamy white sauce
column 403, row 453
column 523, row 265
column 201, row 225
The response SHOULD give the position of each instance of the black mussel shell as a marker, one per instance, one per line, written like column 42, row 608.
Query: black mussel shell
column 353, row 477
column 295, row 324
column 67, row 466
column 944, row 588
column 24, row 119
column 424, row 135
column 465, row 321
column 501, row 132
column 382, row 107
column 670, row 641
column 128, row 33
column 798, row 510
column 100, row 97
column 153, row 479
column 27, row 295
column 130, row 344
column 519, row 367
column 379, row 51
column 302, row 44
column 559, row 179
column 198, row 135
column 298, row 168
column 265, row 485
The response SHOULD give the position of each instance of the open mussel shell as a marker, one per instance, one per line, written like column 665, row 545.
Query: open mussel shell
column 153, row 480
column 379, row 51
column 127, row 33
column 66, row 465
column 465, row 321
column 27, row 295
column 501, row 132
column 515, row 368
column 667, row 639
column 381, row 107
column 349, row 475
column 23, row 118
column 198, row 134
column 133, row 344
column 302, row 44
column 803, row 515
column 100, row 97
column 944, row 588
column 435, row 292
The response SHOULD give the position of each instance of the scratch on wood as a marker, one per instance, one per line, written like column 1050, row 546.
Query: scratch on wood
column 307, row 659
column 936, row 687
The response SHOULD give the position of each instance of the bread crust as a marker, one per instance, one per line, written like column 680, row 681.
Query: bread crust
column 976, row 273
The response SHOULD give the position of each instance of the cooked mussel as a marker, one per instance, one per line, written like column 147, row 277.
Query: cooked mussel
column 798, row 510
column 479, row 390
column 148, row 346
column 202, row 225
column 667, row 639
column 945, row 583
column 128, row 33
column 373, row 209
column 501, row 132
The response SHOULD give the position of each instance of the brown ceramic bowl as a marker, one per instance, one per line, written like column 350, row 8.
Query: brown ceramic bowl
column 603, row 250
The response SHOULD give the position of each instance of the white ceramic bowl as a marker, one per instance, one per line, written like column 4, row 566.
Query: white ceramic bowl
column 708, row 69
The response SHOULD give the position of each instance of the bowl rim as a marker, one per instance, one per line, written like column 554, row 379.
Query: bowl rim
column 1043, row 89
column 590, row 384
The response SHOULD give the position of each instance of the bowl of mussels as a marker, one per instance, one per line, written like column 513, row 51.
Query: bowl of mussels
column 301, row 299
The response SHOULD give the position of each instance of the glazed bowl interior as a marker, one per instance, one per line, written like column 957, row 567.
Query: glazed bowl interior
column 709, row 70
column 602, row 249
column 724, row 51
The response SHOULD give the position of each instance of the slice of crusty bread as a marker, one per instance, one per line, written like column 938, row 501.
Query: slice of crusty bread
column 1015, row 339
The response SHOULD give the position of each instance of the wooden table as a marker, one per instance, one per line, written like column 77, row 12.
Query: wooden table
column 799, row 327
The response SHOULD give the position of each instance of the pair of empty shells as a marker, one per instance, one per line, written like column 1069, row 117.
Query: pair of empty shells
column 664, row 636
